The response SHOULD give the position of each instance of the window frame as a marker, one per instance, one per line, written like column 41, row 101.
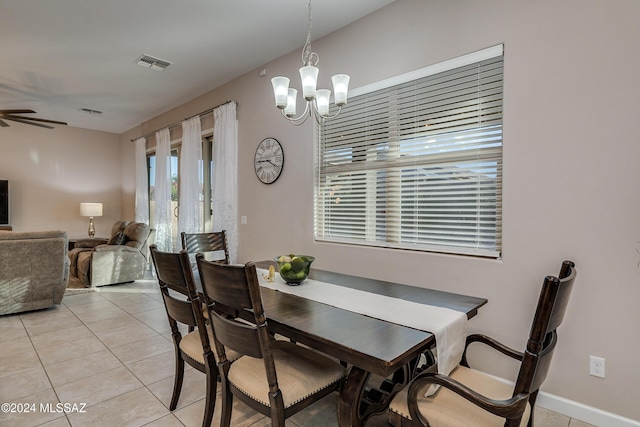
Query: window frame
column 370, row 185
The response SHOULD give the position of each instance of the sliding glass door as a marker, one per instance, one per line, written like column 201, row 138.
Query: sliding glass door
column 205, row 199
column 174, row 173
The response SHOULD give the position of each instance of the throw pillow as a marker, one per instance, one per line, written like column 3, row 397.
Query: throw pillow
column 117, row 239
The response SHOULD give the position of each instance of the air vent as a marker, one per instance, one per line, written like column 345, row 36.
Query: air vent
column 153, row 63
column 90, row 111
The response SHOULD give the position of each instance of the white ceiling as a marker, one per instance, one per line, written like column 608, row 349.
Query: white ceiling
column 59, row 56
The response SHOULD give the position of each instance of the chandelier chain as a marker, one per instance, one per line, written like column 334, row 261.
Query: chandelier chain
column 308, row 56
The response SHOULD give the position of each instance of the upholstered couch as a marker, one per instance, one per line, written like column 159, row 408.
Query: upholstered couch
column 34, row 270
column 119, row 259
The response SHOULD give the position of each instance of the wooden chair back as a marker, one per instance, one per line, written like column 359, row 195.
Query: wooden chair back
column 206, row 242
column 543, row 337
column 173, row 271
column 183, row 305
column 236, row 312
column 230, row 289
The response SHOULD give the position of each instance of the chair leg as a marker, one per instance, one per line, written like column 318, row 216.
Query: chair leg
column 277, row 409
column 227, row 404
column 210, row 400
column 277, row 420
column 177, row 381
column 532, row 403
column 395, row 419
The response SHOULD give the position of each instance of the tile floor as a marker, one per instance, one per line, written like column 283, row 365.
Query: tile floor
column 109, row 353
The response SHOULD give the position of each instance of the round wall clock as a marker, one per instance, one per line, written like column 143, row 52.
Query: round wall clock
column 268, row 160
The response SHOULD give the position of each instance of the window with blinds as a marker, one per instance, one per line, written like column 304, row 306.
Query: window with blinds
column 416, row 163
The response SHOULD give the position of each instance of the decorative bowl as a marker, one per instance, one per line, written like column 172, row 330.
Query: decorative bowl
column 294, row 268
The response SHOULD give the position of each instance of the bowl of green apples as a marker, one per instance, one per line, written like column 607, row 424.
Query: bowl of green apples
column 294, row 268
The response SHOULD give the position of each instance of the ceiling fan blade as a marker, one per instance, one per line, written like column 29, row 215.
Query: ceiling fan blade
column 16, row 111
column 4, row 124
column 34, row 119
column 26, row 122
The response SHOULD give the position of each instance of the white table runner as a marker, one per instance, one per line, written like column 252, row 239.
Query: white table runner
column 448, row 326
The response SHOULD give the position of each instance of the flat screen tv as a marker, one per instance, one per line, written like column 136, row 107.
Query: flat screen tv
column 4, row 202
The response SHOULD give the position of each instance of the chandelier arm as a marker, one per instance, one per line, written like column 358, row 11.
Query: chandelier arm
column 335, row 115
column 307, row 109
column 297, row 121
column 319, row 117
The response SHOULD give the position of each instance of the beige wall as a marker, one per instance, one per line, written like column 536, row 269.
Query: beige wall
column 570, row 153
column 51, row 172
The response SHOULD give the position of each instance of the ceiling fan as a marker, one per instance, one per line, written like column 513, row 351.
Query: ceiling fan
column 11, row 115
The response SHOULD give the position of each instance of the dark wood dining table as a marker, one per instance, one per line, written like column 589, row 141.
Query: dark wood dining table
column 367, row 345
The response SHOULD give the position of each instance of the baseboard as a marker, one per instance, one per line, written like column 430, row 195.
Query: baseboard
column 579, row 411
column 582, row 412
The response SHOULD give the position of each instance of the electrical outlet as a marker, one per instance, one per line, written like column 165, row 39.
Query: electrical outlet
column 596, row 366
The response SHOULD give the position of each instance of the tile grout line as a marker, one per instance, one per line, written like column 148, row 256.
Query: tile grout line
column 143, row 385
column 127, row 367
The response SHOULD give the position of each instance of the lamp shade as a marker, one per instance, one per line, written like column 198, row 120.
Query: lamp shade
column 290, row 109
column 340, row 89
column 280, row 91
column 322, row 101
column 309, row 77
column 91, row 209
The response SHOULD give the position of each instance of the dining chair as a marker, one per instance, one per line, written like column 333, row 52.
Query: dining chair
column 183, row 307
column 277, row 378
column 213, row 245
column 214, row 242
column 470, row 397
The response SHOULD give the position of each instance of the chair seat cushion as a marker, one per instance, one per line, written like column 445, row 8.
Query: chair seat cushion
column 447, row 409
column 301, row 372
column 191, row 346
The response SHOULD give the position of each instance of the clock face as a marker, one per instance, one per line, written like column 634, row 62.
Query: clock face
column 268, row 160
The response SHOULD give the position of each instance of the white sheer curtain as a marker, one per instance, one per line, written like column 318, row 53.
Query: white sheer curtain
column 190, row 214
column 163, row 191
column 225, row 175
column 142, row 181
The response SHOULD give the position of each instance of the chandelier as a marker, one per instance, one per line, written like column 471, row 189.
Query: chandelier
column 317, row 100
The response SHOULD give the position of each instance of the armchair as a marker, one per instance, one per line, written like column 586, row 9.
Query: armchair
column 119, row 259
column 470, row 397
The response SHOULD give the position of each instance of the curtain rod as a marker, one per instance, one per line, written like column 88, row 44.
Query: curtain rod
column 210, row 110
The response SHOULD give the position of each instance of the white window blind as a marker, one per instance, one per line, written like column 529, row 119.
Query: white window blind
column 417, row 164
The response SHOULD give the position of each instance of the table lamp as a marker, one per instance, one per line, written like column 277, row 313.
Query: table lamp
column 91, row 210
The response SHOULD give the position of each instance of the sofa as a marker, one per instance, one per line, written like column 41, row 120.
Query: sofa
column 118, row 259
column 34, row 270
